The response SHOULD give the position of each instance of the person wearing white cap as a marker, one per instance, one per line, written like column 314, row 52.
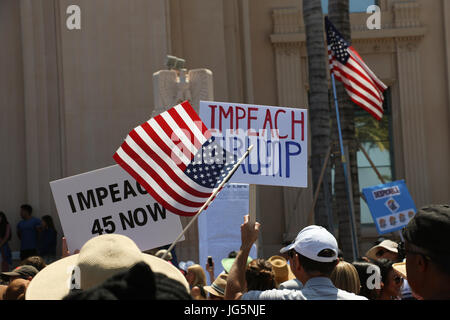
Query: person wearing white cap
column 313, row 256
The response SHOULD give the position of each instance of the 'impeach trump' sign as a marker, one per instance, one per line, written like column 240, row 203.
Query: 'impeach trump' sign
column 279, row 136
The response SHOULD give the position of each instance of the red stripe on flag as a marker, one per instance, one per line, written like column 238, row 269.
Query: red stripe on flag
column 150, row 190
column 164, row 166
column 194, row 116
column 188, row 132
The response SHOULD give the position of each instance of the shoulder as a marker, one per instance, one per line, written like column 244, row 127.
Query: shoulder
column 345, row 295
column 274, row 294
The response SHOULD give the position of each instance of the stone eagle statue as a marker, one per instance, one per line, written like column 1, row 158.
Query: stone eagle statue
column 170, row 87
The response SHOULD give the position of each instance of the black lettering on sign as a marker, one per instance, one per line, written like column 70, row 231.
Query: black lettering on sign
column 128, row 190
column 140, row 222
column 101, row 193
column 124, row 221
column 140, row 189
column 83, row 202
column 154, row 213
column 113, row 191
column 72, row 205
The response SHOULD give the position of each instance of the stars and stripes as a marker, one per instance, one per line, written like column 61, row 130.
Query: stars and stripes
column 362, row 85
column 175, row 158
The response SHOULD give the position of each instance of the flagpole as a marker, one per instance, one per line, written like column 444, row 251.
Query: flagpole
column 344, row 165
column 209, row 200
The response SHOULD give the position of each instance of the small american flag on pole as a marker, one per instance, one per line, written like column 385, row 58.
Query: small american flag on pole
column 361, row 84
column 176, row 159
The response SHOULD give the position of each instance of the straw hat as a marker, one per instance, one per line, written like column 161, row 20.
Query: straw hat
column 99, row 259
column 400, row 267
column 217, row 288
column 281, row 269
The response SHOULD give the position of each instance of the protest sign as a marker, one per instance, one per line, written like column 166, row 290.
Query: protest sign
column 219, row 227
column 278, row 134
column 109, row 200
column 391, row 205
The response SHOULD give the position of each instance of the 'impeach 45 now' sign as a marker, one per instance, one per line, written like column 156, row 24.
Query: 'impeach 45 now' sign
column 391, row 205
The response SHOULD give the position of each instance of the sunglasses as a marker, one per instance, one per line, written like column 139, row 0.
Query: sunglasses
column 398, row 279
column 380, row 253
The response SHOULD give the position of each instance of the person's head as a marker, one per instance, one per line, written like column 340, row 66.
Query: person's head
column 216, row 291
column 345, row 277
column 25, row 272
column 16, row 289
column 427, row 251
column 99, row 259
column 314, row 253
column 392, row 281
column 196, row 276
column 198, row 293
column 26, row 211
column 369, row 278
column 387, row 249
column 259, row 275
column 3, row 224
column 35, row 261
column 47, row 222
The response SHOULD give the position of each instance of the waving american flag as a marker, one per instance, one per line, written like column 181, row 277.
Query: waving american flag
column 362, row 85
column 175, row 158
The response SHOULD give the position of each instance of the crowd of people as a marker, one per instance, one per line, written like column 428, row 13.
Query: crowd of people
column 111, row 266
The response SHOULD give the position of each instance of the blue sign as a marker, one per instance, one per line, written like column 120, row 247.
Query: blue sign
column 391, row 205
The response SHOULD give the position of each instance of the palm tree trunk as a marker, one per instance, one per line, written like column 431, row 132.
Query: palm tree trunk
column 338, row 13
column 319, row 111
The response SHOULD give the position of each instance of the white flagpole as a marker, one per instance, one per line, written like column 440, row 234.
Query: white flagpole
column 209, row 200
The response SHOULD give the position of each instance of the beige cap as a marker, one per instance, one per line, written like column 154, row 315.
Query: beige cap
column 386, row 244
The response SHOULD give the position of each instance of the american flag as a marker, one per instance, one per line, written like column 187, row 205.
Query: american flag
column 176, row 159
column 362, row 85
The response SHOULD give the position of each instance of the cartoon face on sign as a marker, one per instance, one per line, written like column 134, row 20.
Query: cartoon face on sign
column 382, row 223
column 392, row 205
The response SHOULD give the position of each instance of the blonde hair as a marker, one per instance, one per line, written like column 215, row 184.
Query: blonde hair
column 200, row 276
column 345, row 277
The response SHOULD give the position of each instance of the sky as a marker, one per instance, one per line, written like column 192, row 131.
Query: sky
column 355, row 5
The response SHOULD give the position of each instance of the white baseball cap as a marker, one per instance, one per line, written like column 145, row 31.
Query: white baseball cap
column 312, row 240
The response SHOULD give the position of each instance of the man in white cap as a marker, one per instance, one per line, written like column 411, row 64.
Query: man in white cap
column 312, row 256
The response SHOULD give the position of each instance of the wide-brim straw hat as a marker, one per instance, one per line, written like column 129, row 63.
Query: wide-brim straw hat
column 400, row 267
column 217, row 288
column 386, row 244
column 281, row 269
column 99, row 259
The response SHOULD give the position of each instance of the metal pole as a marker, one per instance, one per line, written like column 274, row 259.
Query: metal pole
column 346, row 176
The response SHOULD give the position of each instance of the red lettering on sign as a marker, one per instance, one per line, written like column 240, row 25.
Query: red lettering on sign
column 249, row 119
column 276, row 124
column 239, row 117
column 213, row 116
column 225, row 115
column 302, row 122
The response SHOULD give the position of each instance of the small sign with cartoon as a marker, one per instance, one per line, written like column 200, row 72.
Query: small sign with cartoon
column 391, row 205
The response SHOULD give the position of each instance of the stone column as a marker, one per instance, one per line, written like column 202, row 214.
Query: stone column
column 289, row 48
column 411, row 108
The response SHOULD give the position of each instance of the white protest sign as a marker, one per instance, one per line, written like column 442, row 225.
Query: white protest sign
column 219, row 227
column 109, row 200
column 280, row 155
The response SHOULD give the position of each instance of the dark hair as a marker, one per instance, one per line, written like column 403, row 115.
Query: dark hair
column 259, row 275
column 49, row 221
column 3, row 225
column 385, row 267
column 27, row 208
column 232, row 255
column 34, row 261
column 361, row 267
column 311, row 266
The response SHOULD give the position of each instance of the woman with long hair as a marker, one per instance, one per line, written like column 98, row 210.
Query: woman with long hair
column 5, row 236
column 47, row 246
